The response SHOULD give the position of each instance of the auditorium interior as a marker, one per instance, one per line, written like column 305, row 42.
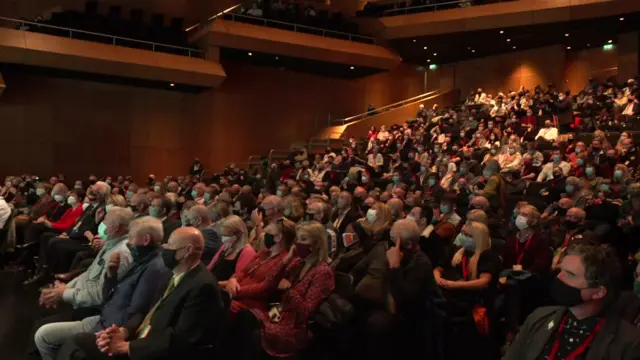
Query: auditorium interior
column 410, row 112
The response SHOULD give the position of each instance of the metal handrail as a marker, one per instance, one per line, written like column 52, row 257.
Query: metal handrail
column 298, row 26
column 22, row 24
column 271, row 154
column 434, row 6
column 384, row 108
column 214, row 16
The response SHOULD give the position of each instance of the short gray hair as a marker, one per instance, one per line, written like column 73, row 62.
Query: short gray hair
column 274, row 201
column 121, row 216
column 601, row 268
column 407, row 230
column 200, row 211
column 103, row 188
column 147, row 225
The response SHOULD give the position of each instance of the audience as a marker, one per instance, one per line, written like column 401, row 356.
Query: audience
column 456, row 225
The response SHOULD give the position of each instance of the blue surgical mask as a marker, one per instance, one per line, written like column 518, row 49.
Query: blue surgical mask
column 444, row 208
column 279, row 193
column 395, row 178
column 431, row 181
column 580, row 162
column 465, row 241
column 604, row 188
column 194, row 194
column 423, row 169
column 487, row 173
column 108, row 207
column 617, row 174
column 154, row 212
column 102, row 231
column 463, row 171
column 207, row 197
column 556, row 158
column 129, row 195
column 287, row 212
column 588, row 171
column 569, row 188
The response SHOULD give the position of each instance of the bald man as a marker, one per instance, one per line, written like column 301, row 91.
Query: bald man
column 185, row 326
column 572, row 230
column 397, row 208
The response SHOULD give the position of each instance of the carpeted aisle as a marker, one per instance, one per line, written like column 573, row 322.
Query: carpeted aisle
column 18, row 311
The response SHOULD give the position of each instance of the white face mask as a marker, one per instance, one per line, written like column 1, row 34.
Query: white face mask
column 85, row 205
column 371, row 216
column 156, row 188
column 228, row 239
column 72, row 200
column 521, row 222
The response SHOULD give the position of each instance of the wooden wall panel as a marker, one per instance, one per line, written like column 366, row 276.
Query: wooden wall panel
column 594, row 62
column 628, row 50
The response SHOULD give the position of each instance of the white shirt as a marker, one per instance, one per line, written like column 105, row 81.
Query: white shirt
column 547, row 170
column 549, row 134
column 375, row 160
column 5, row 212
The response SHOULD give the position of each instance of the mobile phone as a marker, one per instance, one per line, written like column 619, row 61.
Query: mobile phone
column 348, row 239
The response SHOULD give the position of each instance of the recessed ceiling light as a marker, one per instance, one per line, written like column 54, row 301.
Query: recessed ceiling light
column 352, row 68
column 425, row 48
column 435, row 54
column 567, row 34
column 568, row 47
column 514, row 47
column 610, row 41
column 469, row 48
column 588, row 44
column 250, row 54
column 501, row 31
column 508, row 40
column 172, row 84
column 414, row 40
column 277, row 58
column 621, row 19
column 473, row 51
column 428, row 60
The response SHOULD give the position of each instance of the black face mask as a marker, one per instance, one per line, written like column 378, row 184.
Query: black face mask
column 561, row 211
column 565, row 295
column 139, row 252
column 169, row 258
column 571, row 225
column 269, row 240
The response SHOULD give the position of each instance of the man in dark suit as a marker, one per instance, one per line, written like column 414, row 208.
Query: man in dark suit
column 184, row 323
column 345, row 213
column 586, row 325
column 160, row 208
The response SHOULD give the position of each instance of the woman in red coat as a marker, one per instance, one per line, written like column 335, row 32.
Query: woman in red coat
column 282, row 330
column 251, row 287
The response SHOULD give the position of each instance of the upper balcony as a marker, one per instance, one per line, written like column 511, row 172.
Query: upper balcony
column 106, row 57
column 467, row 15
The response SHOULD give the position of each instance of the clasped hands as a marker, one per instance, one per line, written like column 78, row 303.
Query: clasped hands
column 112, row 341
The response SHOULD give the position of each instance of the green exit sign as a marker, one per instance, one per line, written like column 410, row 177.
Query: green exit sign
column 608, row 47
column 433, row 67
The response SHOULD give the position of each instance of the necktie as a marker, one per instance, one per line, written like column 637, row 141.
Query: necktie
column 144, row 328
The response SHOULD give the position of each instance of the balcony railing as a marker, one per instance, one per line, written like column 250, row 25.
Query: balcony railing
column 298, row 28
column 438, row 6
column 100, row 38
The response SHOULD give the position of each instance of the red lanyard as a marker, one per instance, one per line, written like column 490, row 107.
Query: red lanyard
column 526, row 245
column 580, row 349
column 465, row 268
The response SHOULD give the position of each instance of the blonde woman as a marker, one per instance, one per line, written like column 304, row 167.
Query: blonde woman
column 371, row 229
column 234, row 254
column 283, row 330
column 470, row 267
column 511, row 160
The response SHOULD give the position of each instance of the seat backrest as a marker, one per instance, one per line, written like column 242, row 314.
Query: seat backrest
column 343, row 285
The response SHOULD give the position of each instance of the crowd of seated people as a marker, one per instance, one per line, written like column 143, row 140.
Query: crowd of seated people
column 290, row 11
column 392, row 8
column 453, row 228
column 115, row 23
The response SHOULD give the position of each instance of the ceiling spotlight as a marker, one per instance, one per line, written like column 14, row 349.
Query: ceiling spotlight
column 610, row 41
column 621, row 19
column 473, row 51
column 508, row 40
column 567, row 34
column 568, row 47
column 588, row 44
column 514, row 47
column 428, row 60
column 352, row 68
column 469, row 48
column 435, row 54
column 250, row 54
column 172, row 84
column 501, row 31
column 425, row 48
column 277, row 58
column 414, row 40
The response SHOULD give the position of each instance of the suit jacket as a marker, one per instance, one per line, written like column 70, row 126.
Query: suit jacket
column 185, row 324
column 86, row 222
column 349, row 217
column 169, row 226
column 617, row 340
